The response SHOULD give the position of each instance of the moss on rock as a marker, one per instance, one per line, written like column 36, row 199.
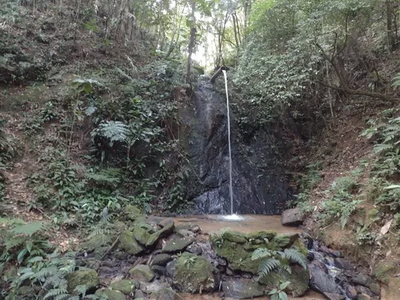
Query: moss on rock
column 89, row 278
column 110, row 294
column 125, row 286
column 132, row 213
column 162, row 233
column 142, row 273
column 177, row 244
column 128, row 243
column 193, row 273
column 141, row 235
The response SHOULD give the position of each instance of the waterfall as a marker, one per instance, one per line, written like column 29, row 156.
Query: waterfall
column 229, row 142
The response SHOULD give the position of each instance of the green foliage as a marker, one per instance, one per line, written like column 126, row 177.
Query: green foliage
column 22, row 241
column 279, row 293
column 341, row 202
column 272, row 260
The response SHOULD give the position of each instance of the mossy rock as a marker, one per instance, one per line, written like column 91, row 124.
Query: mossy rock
column 166, row 294
column 285, row 240
column 89, row 278
column 141, row 235
column 160, row 234
column 128, row 243
column 383, row 270
column 142, row 273
column 177, row 244
column 193, row 273
column 299, row 280
column 97, row 241
column 125, row 286
column 235, row 237
column 132, row 212
column 266, row 235
column 110, row 294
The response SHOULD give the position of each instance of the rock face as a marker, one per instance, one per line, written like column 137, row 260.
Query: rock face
column 90, row 278
column 242, row 289
column 194, row 274
column 259, row 182
column 320, row 279
column 292, row 217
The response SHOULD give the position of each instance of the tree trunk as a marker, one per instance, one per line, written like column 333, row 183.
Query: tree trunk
column 390, row 25
column 192, row 42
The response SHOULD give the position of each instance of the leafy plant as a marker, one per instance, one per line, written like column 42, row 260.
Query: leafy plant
column 273, row 260
column 279, row 293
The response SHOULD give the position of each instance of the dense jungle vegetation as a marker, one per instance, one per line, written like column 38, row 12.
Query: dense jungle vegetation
column 90, row 94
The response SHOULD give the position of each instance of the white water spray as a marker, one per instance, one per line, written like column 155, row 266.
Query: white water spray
column 232, row 216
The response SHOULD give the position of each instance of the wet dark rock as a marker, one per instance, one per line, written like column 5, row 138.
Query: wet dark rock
column 334, row 296
column 177, row 244
column 222, row 262
column 242, row 289
column 342, row 263
column 139, row 294
column 247, row 275
column 108, row 272
column 161, row 259
column 158, row 270
column 320, row 280
column 261, row 190
column 292, row 217
column 364, row 290
column 229, row 272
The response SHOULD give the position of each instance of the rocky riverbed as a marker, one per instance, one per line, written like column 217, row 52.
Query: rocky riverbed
column 147, row 257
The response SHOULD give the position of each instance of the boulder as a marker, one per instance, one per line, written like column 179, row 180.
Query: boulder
column 125, row 286
column 160, row 234
column 110, row 294
column 194, row 274
column 161, row 259
column 177, row 244
column 89, row 278
column 141, row 235
column 342, row 263
column 320, row 280
column 128, row 243
column 166, row 294
column 142, row 273
column 242, row 289
column 292, row 217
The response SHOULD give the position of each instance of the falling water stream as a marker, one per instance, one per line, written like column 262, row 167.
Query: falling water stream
column 229, row 143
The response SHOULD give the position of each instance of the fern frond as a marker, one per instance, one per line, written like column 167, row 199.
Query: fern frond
column 267, row 266
column 81, row 289
column 55, row 292
column 261, row 253
column 28, row 229
column 295, row 256
column 62, row 297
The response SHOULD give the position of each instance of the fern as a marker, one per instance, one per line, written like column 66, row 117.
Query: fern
column 295, row 256
column 268, row 265
column 28, row 229
column 261, row 253
column 56, row 292
column 113, row 131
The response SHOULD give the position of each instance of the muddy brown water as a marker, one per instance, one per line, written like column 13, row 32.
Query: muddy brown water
column 250, row 223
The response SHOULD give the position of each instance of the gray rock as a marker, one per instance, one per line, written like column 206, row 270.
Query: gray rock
column 142, row 273
column 195, row 249
column 177, row 244
column 170, row 268
column 320, row 280
column 158, row 270
column 161, row 259
column 152, row 288
column 242, row 289
column 351, row 291
column 139, row 294
column 364, row 290
column 292, row 217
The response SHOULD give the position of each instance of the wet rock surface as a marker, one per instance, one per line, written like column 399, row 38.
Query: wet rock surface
column 259, row 182
column 292, row 217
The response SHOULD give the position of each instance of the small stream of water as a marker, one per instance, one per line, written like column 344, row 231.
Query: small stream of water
column 229, row 142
